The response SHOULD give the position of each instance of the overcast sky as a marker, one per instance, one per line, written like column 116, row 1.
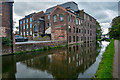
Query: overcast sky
column 103, row 12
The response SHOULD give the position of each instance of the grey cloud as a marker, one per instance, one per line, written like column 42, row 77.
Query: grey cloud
column 95, row 9
column 98, row 9
column 20, row 8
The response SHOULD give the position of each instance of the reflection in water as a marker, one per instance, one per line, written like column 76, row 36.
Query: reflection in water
column 72, row 62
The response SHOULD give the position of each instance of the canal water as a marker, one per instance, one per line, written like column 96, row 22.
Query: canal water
column 74, row 61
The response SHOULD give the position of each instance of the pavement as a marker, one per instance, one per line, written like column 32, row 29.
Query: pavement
column 116, row 64
column 29, row 42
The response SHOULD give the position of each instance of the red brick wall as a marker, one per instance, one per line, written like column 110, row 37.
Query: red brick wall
column 5, row 20
column 58, row 29
column 31, row 46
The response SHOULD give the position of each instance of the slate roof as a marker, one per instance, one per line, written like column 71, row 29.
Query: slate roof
column 72, row 5
column 7, row 1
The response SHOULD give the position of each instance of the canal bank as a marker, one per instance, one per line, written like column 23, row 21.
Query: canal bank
column 105, row 68
column 73, row 61
column 32, row 46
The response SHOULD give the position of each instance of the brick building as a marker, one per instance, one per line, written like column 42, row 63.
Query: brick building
column 63, row 22
column 6, row 24
column 6, row 18
column 32, row 24
column 69, row 23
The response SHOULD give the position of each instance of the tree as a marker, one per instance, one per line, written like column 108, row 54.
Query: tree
column 98, row 30
column 114, row 31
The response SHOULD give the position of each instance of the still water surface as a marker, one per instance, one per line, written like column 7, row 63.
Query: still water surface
column 75, row 61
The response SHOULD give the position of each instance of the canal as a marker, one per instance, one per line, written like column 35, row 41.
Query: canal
column 74, row 61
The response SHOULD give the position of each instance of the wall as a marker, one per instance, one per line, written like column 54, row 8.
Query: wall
column 31, row 46
column 6, row 24
column 5, row 29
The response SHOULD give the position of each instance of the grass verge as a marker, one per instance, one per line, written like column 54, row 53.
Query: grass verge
column 106, row 65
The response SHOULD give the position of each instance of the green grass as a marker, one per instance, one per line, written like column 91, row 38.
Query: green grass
column 98, row 39
column 106, row 65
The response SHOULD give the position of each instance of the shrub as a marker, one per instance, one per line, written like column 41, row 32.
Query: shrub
column 6, row 41
column 49, row 47
column 45, row 48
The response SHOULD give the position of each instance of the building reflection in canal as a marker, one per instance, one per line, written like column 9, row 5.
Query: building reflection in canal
column 60, row 63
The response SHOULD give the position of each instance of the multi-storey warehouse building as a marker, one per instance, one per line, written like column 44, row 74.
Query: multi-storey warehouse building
column 32, row 25
column 64, row 22
column 69, row 23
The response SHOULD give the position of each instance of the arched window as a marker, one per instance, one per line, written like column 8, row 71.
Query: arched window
column 55, row 18
column 61, row 17
column 35, row 28
column 69, row 28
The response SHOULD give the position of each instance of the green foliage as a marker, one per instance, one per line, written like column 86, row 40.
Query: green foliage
column 17, row 27
column 45, row 48
column 115, row 28
column 106, row 65
column 98, row 39
column 66, row 45
column 6, row 41
column 55, row 46
column 98, row 31
column 49, row 47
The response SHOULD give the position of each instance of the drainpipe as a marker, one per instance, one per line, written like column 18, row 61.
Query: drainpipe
column 11, row 24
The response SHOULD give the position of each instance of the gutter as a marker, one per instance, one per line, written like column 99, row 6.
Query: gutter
column 11, row 24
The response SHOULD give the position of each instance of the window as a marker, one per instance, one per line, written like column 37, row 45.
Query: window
column 85, row 31
column 79, row 31
column 90, row 26
column 88, row 31
column 69, row 28
column 27, row 33
column 91, row 33
column 30, row 32
column 90, row 19
column 27, row 26
column 71, row 18
column 24, row 21
column 55, row 18
column 35, row 28
column 30, row 19
column 24, row 27
column 85, row 38
column 68, row 17
column 61, row 17
column 76, row 22
column 73, row 38
column 21, row 33
column 85, row 23
column 24, row 33
column 79, row 22
column 48, row 24
column 20, row 22
column 30, row 25
column 81, row 38
column 27, row 20
column 48, row 16
column 77, row 38
column 74, row 29
column 69, row 38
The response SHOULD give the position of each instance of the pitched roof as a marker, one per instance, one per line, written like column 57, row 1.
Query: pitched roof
column 7, row 1
column 71, row 4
